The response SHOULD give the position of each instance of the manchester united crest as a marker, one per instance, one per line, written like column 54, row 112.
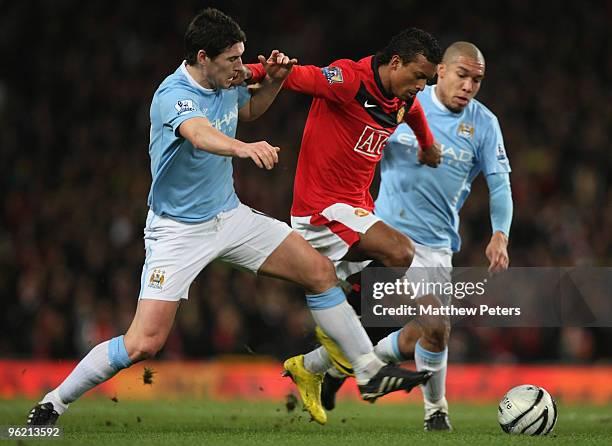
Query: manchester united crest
column 400, row 114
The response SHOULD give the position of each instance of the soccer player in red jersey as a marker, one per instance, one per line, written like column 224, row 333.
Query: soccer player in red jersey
column 356, row 107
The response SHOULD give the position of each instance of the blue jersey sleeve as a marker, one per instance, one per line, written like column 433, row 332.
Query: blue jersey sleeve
column 492, row 156
column 500, row 199
column 244, row 96
column 177, row 105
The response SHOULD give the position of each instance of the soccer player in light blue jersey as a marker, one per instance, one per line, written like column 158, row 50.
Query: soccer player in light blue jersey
column 195, row 217
column 424, row 204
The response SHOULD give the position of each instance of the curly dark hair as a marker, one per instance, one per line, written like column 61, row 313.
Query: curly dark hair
column 211, row 31
column 408, row 44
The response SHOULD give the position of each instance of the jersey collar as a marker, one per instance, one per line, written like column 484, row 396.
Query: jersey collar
column 379, row 81
column 191, row 80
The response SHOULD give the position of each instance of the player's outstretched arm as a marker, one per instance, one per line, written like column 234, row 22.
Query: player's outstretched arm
column 500, row 199
column 277, row 66
column 199, row 132
column 337, row 83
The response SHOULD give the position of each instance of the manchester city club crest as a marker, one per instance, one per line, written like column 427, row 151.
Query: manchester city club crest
column 158, row 276
column 465, row 130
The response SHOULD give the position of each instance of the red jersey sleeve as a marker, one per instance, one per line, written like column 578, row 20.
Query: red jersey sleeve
column 415, row 118
column 258, row 72
column 337, row 82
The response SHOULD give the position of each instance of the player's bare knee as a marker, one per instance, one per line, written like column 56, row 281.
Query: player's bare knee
column 321, row 275
column 145, row 348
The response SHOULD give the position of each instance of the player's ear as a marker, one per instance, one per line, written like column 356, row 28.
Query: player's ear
column 395, row 62
column 201, row 57
column 441, row 70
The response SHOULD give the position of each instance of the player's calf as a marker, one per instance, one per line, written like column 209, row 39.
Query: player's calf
column 150, row 328
column 434, row 334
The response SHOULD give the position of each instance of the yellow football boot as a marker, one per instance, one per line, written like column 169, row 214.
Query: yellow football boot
column 309, row 386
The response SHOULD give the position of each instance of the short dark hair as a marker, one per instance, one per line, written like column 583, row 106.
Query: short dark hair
column 213, row 32
column 408, row 44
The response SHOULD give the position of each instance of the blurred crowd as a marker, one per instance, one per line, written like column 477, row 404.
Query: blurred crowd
column 76, row 82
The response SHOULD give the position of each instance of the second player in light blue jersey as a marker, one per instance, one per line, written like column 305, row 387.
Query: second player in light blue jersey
column 424, row 204
column 195, row 217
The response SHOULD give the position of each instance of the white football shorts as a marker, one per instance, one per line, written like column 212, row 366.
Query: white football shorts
column 433, row 267
column 334, row 231
column 176, row 252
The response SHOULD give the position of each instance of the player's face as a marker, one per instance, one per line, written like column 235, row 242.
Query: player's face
column 221, row 70
column 459, row 82
column 407, row 79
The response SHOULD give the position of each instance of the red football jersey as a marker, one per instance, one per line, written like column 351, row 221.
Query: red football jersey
column 349, row 122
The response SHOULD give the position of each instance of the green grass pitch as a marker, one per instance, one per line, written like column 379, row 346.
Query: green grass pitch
column 97, row 422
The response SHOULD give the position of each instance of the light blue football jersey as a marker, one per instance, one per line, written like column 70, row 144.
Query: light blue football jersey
column 189, row 184
column 422, row 202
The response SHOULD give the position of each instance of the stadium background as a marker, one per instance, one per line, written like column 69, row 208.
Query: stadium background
column 76, row 81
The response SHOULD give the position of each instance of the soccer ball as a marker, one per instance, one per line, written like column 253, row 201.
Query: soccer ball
column 528, row 410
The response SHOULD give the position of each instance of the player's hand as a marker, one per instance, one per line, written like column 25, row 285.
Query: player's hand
column 497, row 253
column 262, row 153
column 431, row 156
column 278, row 65
column 242, row 76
